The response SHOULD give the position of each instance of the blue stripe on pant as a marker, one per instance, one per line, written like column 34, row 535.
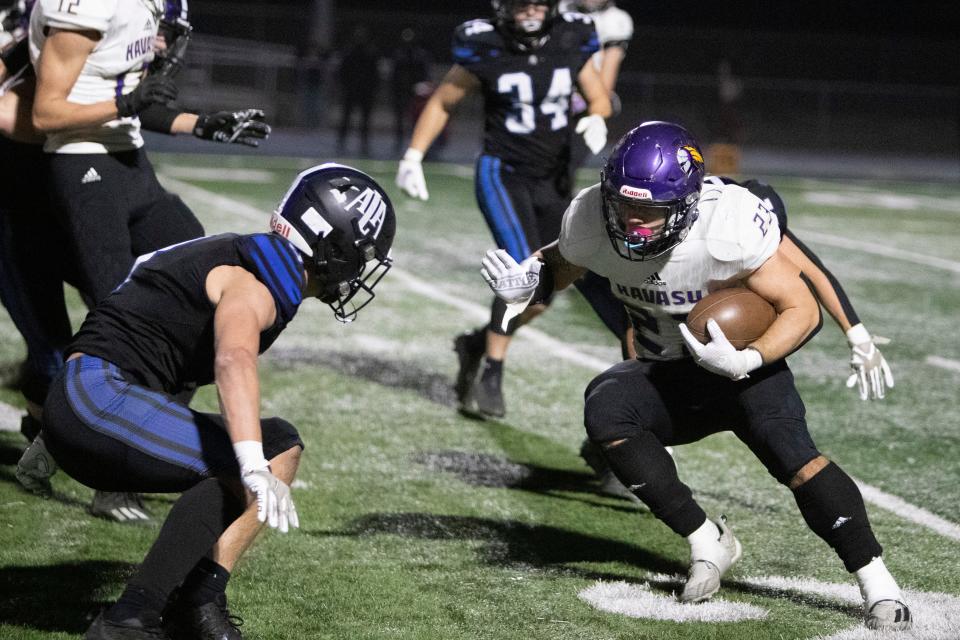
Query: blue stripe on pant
column 151, row 422
column 498, row 209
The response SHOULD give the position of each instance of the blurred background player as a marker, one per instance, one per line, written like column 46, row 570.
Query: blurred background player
column 409, row 66
column 614, row 30
column 652, row 226
column 194, row 314
column 31, row 282
column 526, row 62
column 359, row 79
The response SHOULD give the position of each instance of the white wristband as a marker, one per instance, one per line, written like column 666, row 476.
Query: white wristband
column 754, row 359
column 250, row 456
column 858, row 334
column 413, row 155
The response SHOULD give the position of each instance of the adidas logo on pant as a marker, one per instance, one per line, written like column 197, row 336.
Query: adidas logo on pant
column 90, row 176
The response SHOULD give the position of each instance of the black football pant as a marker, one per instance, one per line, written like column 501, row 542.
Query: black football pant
column 679, row 402
column 34, row 262
column 112, row 210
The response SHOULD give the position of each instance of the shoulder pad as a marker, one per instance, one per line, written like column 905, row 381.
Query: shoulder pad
column 92, row 14
column 472, row 39
column 739, row 224
column 614, row 26
column 579, row 29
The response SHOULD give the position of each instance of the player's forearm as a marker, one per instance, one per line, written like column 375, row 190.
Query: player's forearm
column 610, row 67
column 790, row 330
column 563, row 272
column 15, row 122
column 431, row 122
column 238, row 386
column 56, row 114
column 184, row 123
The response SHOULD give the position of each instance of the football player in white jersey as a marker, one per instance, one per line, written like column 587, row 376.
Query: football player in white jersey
column 664, row 239
column 614, row 28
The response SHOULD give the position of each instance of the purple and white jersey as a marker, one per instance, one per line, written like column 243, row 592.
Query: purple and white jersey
column 733, row 235
column 128, row 29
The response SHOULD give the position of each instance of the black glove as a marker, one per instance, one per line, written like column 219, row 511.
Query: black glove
column 151, row 90
column 243, row 127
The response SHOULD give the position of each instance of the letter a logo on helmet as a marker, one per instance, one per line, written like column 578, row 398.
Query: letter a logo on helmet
column 343, row 223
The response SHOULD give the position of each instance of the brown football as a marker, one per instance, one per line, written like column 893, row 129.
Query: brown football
column 742, row 315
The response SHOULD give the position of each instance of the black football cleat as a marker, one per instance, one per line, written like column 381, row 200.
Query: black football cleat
column 469, row 347
column 132, row 629
column 210, row 621
column 126, row 508
column 488, row 397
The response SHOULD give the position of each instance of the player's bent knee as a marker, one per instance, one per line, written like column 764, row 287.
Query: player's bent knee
column 808, row 471
column 606, row 416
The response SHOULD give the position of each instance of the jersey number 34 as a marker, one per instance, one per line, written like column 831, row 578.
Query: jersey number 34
column 523, row 116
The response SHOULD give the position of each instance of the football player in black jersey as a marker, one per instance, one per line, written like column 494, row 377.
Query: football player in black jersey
column 196, row 313
column 526, row 62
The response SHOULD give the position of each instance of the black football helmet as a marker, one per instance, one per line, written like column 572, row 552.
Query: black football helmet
column 176, row 31
column 526, row 34
column 343, row 223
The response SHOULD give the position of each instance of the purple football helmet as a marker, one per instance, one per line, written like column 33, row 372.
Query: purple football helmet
column 649, row 187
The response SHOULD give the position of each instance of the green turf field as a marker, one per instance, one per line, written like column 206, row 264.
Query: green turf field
column 420, row 524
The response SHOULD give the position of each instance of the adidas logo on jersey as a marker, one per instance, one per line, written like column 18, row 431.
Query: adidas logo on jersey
column 655, row 280
column 842, row 520
column 90, row 176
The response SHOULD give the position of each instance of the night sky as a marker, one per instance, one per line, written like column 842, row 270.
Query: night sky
column 938, row 18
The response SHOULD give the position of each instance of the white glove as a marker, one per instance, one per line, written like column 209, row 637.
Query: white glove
column 511, row 282
column 410, row 175
column 719, row 356
column 871, row 373
column 594, row 131
column 35, row 468
column 274, row 504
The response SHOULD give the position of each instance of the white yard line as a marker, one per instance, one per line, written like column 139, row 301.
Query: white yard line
column 876, row 249
column 943, row 363
column 871, row 494
column 219, row 174
column 9, row 417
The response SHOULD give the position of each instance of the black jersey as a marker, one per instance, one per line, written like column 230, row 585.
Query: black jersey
column 527, row 93
column 158, row 324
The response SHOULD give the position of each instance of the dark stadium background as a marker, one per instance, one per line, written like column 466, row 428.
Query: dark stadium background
column 832, row 79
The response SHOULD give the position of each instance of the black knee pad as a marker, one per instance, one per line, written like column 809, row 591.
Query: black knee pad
column 606, row 414
column 833, row 508
column 278, row 436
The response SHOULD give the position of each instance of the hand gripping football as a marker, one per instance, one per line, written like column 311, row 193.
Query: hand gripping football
column 742, row 315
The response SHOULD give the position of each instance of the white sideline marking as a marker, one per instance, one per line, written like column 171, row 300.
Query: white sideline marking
column 871, row 494
column 936, row 616
column 638, row 601
column 943, row 363
column 902, row 508
column 220, row 174
column 9, row 417
column 876, row 249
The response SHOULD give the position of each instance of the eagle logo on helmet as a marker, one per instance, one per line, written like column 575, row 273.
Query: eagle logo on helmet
column 689, row 158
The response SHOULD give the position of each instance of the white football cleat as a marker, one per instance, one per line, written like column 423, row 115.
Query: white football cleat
column 888, row 615
column 703, row 578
